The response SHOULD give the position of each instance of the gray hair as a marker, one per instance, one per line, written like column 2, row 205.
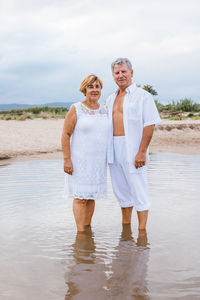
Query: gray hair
column 121, row 61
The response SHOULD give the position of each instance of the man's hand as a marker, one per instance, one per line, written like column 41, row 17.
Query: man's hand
column 68, row 166
column 140, row 159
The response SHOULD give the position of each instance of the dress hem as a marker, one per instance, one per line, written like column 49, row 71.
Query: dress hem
column 97, row 198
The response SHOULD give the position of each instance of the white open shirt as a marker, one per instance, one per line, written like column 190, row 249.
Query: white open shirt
column 139, row 110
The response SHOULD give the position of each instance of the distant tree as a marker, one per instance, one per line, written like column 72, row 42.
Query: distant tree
column 150, row 89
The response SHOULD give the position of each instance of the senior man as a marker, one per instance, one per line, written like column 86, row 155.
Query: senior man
column 132, row 118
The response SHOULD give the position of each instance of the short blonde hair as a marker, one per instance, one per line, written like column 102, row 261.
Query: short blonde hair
column 89, row 80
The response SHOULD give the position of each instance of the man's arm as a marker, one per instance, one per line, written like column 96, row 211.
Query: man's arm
column 150, row 119
column 140, row 159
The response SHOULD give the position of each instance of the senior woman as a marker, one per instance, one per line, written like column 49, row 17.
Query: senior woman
column 84, row 144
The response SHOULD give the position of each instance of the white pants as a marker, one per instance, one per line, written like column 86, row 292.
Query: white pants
column 130, row 189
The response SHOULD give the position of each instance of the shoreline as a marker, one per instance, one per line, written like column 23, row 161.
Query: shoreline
column 41, row 139
column 30, row 157
column 58, row 155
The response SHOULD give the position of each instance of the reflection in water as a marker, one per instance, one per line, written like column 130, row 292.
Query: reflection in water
column 129, row 267
column 84, row 247
column 38, row 246
column 86, row 279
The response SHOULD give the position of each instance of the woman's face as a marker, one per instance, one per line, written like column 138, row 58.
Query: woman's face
column 93, row 91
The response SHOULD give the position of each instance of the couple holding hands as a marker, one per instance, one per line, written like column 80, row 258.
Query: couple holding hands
column 117, row 133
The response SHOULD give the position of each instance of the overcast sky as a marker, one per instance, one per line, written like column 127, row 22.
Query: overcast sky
column 48, row 46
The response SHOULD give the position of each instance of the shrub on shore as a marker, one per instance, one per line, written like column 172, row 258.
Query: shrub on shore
column 182, row 109
column 183, row 105
column 44, row 112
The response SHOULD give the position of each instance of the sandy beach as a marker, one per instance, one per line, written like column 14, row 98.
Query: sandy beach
column 40, row 139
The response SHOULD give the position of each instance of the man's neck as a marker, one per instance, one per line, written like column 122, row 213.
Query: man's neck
column 122, row 90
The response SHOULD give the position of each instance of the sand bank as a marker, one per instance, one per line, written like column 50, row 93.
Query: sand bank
column 177, row 136
column 40, row 139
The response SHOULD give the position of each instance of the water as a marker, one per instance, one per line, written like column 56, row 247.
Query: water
column 42, row 257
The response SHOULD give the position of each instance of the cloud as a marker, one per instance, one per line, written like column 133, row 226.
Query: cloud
column 47, row 47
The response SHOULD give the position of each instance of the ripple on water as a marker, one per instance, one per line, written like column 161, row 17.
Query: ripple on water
column 43, row 257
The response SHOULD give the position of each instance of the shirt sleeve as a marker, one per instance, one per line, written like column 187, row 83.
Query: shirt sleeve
column 107, row 101
column 150, row 112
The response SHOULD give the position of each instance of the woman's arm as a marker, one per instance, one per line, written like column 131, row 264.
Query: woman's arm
column 68, row 128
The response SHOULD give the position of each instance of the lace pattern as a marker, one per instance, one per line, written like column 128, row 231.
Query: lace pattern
column 82, row 109
column 88, row 153
column 87, row 111
column 81, row 191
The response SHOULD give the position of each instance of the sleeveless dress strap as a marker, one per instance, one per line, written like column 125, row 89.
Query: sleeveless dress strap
column 77, row 106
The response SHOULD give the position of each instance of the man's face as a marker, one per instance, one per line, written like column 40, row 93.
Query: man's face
column 122, row 75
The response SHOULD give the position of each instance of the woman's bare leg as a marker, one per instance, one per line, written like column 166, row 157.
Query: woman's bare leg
column 79, row 210
column 89, row 212
column 83, row 211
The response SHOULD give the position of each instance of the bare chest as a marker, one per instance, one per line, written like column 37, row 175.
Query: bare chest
column 118, row 126
column 118, row 105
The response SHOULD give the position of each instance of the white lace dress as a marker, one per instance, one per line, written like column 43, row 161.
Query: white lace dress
column 88, row 154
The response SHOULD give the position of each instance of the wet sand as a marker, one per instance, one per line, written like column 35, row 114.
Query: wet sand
column 40, row 139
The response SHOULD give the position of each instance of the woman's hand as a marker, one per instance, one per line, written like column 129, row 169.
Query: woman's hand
column 68, row 166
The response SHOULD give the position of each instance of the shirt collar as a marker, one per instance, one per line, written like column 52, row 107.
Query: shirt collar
column 130, row 89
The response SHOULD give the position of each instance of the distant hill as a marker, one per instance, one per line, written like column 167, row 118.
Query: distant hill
column 23, row 106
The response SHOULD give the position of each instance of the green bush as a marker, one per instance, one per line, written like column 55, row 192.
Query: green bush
column 17, row 112
column 36, row 111
column 187, row 105
column 184, row 105
column 175, row 118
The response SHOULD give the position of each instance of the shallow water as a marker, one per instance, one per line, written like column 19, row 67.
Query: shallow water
column 42, row 257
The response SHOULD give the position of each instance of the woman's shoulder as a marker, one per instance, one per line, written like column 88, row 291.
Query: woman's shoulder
column 77, row 107
column 76, row 104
